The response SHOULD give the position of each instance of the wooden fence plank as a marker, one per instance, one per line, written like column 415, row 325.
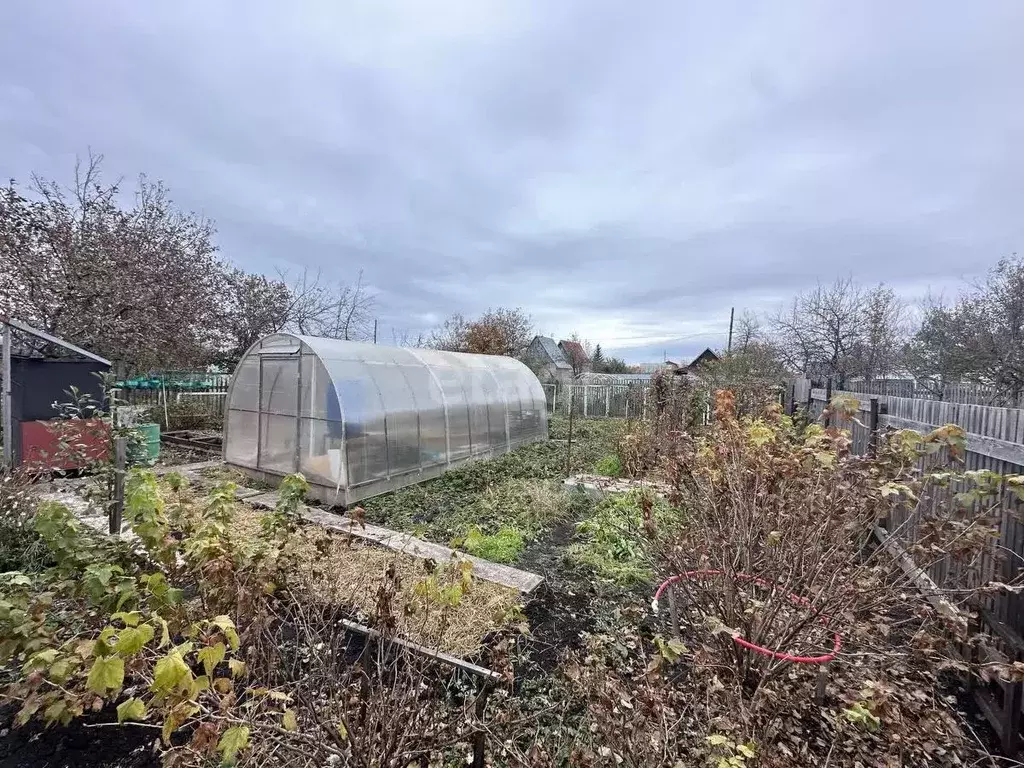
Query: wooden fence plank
column 1003, row 450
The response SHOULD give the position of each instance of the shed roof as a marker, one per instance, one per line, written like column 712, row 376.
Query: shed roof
column 551, row 350
column 575, row 350
column 51, row 344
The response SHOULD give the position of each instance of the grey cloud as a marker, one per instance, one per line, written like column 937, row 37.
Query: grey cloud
column 629, row 173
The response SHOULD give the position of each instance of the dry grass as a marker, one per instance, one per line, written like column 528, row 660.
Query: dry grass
column 339, row 569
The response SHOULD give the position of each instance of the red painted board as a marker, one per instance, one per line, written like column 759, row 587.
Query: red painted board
column 64, row 443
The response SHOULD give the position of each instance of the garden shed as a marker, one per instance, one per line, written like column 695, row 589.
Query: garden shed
column 361, row 419
column 37, row 371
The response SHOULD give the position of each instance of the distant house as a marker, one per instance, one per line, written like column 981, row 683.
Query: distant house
column 576, row 356
column 705, row 357
column 678, row 369
column 546, row 359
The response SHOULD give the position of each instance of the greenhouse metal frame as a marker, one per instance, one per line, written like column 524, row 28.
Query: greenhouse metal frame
column 361, row 419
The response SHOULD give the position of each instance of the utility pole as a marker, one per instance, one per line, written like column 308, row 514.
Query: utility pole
column 375, row 330
column 732, row 314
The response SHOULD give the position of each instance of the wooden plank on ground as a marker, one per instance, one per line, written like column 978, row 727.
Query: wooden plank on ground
column 430, row 653
column 185, row 468
column 265, row 499
column 506, row 575
column 916, row 574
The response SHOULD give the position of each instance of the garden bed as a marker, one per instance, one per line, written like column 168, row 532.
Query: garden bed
column 585, row 673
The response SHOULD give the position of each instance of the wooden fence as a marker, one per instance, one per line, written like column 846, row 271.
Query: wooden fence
column 975, row 394
column 995, row 441
column 188, row 406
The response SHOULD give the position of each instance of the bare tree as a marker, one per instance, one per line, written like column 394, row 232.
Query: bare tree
column 980, row 338
column 311, row 301
column 353, row 312
column 137, row 283
column 579, row 352
column 819, row 332
column 317, row 308
column 753, row 372
column 451, row 335
column 885, row 324
column 403, row 338
column 252, row 307
column 747, row 331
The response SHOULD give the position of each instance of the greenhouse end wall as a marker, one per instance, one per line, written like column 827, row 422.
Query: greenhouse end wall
column 361, row 419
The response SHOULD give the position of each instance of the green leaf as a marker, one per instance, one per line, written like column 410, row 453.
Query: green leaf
column 182, row 650
column 233, row 741
column 211, row 656
column 107, row 672
column 745, row 749
column 39, row 660
column 342, row 731
column 227, row 628
column 60, row 671
column 288, row 721
column 237, row 667
column 130, row 619
column 171, row 673
column 131, row 640
column 55, row 711
column 133, row 709
column 171, row 723
column 165, row 636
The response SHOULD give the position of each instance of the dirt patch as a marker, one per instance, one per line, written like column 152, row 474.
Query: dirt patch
column 564, row 606
column 79, row 745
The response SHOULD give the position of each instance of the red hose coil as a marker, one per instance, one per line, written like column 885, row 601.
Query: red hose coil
column 796, row 599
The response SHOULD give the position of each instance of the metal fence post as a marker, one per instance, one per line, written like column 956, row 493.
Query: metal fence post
column 6, row 403
column 117, row 502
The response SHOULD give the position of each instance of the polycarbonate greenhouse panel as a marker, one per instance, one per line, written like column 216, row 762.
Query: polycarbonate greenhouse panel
column 361, row 419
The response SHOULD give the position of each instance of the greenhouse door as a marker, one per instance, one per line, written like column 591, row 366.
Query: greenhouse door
column 279, row 414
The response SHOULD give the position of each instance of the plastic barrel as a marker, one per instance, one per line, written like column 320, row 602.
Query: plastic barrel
column 145, row 449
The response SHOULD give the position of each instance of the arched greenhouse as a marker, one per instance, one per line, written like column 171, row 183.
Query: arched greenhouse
column 361, row 419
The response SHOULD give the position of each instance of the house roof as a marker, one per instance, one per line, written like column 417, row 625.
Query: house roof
column 550, row 349
column 574, row 350
column 707, row 356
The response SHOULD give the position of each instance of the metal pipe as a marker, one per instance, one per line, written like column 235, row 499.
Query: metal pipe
column 8, row 401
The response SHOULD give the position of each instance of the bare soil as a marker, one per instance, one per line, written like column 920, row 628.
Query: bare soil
column 79, row 745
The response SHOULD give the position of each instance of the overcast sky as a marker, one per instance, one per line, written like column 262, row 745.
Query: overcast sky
column 626, row 170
